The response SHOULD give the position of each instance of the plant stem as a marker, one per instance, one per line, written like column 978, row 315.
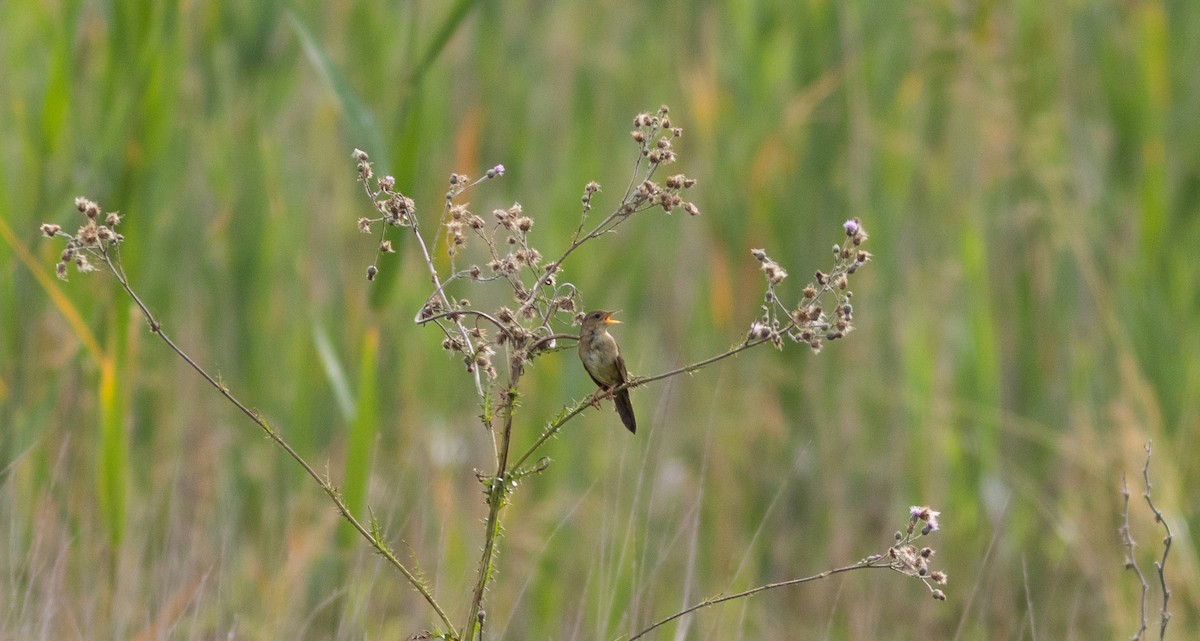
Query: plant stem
column 437, row 283
column 555, row 426
column 762, row 588
column 497, row 494
column 380, row 547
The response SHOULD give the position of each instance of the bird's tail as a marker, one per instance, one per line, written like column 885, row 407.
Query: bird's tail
column 625, row 410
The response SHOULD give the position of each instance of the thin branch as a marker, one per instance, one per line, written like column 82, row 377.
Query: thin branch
column 455, row 313
column 380, row 547
column 1130, row 560
column 632, row 202
column 688, row 369
column 537, row 345
column 573, row 410
column 1161, row 563
column 433, row 275
column 626, row 209
column 903, row 557
column 752, row 591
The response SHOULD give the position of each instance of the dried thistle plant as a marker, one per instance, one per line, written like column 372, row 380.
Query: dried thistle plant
column 540, row 311
column 96, row 240
column 809, row 322
column 525, row 326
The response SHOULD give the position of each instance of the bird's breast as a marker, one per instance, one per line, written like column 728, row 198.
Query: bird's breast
column 598, row 352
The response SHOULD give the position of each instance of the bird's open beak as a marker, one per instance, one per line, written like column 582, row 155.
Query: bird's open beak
column 609, row 320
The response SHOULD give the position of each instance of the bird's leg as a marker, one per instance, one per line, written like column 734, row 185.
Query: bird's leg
column 605, row 391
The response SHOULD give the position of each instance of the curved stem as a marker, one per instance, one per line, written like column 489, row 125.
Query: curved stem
column 752, row 591
column 556, row 425
column 455, row 313
column 537, row 345
column 326, row 485
column 551, row 430
column 437, row 283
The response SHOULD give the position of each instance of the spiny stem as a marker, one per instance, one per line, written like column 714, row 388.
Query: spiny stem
column 554, row 427
column 497, row 494
column 329, row 488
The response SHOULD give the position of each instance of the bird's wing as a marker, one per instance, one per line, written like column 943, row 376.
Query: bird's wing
column 624, row 373
column 594, row 379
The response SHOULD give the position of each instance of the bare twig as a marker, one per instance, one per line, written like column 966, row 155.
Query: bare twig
column 329, row 488
column 902, row 557
column 1161, row 564
column 752, row 591
column 571, row 411
column 634, row 200
column 436, row 280
column 1131, row 559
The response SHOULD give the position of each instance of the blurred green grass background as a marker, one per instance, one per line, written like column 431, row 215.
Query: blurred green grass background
column 1029, row 172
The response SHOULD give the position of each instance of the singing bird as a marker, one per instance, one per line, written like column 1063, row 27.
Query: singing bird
column 602, row 359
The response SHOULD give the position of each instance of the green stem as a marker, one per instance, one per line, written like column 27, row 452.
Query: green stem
column 762, row 588
column 497, row 494
column 554, row 427
column 326, row 485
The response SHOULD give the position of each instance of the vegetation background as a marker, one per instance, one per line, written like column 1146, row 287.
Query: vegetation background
column 1029, row 171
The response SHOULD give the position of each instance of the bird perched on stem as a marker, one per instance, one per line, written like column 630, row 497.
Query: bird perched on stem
column 602, row 359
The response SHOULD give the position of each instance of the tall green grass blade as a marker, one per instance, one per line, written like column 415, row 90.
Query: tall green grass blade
column 54, row 291
column 450, row 25
column 334, row 372
column 357, row 116
column 56, row 100
column 112, row 466
column 362, row 435
column 410, row 121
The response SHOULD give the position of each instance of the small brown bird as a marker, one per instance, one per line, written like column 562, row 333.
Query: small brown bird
column 602, row 359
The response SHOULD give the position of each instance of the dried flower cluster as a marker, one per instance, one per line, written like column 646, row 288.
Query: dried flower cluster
column 809, row 322
column 907, row 558
column 539, row 302
column 654, row 135
column 95, row 238
column 510, row 258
